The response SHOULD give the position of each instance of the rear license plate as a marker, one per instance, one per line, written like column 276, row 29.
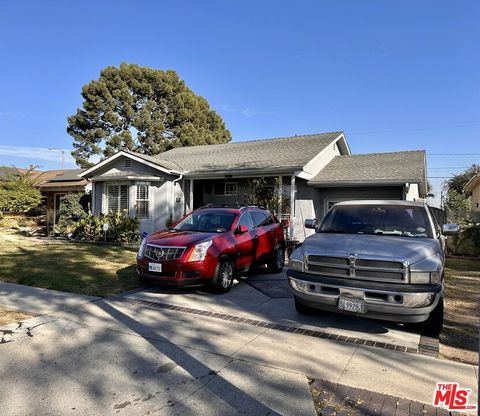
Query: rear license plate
column 155, row 267
column 350, row 304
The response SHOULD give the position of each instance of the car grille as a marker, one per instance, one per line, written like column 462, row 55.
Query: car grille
column 159, row 253
column 356, row 268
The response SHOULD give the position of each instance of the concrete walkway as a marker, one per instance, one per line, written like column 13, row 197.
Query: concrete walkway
column 38, row 301
column 121, row 356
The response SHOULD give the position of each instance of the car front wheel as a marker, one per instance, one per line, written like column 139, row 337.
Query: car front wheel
column 223, row 279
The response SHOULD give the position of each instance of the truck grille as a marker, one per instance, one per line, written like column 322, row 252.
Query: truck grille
column 356, row 268
column 159, row 253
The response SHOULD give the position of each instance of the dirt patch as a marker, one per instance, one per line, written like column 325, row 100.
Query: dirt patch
column 459, row 339
column 8, row 317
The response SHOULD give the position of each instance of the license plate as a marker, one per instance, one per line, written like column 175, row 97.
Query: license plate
column 350, row 304
column 155, row 267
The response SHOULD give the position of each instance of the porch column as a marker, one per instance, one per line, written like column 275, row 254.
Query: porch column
column 280, row 194
column 191, row 196
column 293, row 192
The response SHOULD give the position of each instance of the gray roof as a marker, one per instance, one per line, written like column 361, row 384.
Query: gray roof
column 167, row 164
column 68, row 175
column 270, row 154
column 371, row 168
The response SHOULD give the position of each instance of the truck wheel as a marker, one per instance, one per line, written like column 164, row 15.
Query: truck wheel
column 223, row 279
column 301, row 308
column 276, row 263
column 434, row 324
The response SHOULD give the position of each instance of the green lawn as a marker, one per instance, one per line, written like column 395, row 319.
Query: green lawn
column 78, row 268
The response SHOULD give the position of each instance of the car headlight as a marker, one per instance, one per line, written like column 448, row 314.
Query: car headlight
column 200, row 251
column 425, row 277
column 141, row 250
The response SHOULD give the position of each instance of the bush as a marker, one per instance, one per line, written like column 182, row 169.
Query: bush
column 70, row 213
column 121, row 228
column 18, row 192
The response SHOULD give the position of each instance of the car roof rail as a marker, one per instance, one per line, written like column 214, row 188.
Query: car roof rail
column 235, row 206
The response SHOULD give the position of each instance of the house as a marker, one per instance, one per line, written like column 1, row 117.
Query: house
column 54, row 184
column 472, row 187
column 311, row 173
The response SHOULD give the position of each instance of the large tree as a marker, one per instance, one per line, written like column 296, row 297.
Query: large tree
column 143, row 110
column 457, row 182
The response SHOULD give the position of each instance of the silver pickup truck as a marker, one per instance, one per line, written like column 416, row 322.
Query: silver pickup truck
column 380, row 259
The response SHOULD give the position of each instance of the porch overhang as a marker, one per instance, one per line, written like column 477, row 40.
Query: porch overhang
column 243, row 173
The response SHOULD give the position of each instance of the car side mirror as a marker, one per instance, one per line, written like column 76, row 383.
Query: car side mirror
column 450, row 229
column 241, row 229
column 311, row 223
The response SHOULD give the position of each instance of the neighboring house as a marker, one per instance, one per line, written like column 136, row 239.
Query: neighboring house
column 56, row 183
column 313, row 172
column 472, row 187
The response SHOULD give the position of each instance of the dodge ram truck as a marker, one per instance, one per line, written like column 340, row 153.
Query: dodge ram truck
column 379, row 259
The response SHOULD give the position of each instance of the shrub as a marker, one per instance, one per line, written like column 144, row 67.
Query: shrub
column 18, row 192
column 70, row 213
column 121, row 228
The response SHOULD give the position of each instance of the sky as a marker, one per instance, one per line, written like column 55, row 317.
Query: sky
column 392, row 75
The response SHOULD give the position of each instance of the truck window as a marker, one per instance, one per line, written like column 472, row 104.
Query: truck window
column 392, row 220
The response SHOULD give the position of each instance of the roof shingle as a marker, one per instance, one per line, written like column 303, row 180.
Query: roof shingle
column 289, row 152
column 397, row 167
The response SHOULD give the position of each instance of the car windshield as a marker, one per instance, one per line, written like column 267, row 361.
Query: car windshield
column 391, row 220
column 208, row 222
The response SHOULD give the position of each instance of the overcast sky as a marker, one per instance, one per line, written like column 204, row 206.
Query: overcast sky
column 391, row 75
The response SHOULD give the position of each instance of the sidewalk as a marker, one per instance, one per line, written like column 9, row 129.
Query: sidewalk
column 112, row 335
column 38, row 301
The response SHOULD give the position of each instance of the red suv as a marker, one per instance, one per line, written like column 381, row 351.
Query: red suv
column 212, row 245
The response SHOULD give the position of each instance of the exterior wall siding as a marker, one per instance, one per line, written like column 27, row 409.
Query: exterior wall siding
column 162, row 201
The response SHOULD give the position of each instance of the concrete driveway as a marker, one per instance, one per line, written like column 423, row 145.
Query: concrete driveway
column 184, row 352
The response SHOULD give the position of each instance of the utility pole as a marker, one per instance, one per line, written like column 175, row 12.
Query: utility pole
column 63, row 154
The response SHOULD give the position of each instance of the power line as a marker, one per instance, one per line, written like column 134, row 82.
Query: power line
column 451, row 167
column 453, row 154
column 417, row 129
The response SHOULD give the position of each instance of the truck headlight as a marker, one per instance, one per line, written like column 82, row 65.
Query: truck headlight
column 200, row 251
column 424, row 277
column 141, row 250
column 296, row 265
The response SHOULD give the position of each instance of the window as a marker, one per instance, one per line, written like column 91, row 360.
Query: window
column 330, row 204
column 207, row 221
column 261, row 219
column 117, row 197
column 142, row 200
column 231, row 188
column 219, row 188
column 225, row 188
column 246, row 220
column 387, row 220
column 128, row 163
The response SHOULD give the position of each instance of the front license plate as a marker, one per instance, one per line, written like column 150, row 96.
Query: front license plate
column 347, row 303
column 155, row 267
